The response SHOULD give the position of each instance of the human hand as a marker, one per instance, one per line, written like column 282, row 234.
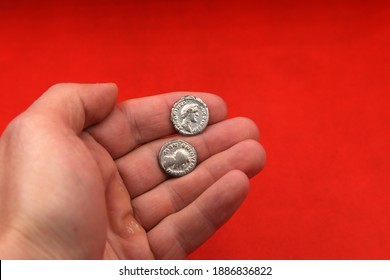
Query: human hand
column 80, row 179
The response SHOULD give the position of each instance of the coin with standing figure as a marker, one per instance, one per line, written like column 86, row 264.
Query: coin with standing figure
column 177, row 158
column 190, row 115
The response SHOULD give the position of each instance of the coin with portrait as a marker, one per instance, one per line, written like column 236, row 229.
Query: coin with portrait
column 177, row 158
column 190, row 115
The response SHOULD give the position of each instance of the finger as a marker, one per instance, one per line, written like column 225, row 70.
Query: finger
column 181, row 233
column 141, row 120
column 173, row 195
column 140, row 169
column 125, row 236
column 76, row 105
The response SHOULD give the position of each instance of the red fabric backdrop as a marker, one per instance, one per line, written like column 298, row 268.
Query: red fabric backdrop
column 313, row 75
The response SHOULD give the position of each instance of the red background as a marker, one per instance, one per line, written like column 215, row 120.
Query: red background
column 313, row 75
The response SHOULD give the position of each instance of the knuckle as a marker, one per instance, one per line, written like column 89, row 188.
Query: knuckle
column 16, row 126
column 24, row 125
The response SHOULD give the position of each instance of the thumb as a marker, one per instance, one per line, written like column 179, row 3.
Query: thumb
column 77, row 105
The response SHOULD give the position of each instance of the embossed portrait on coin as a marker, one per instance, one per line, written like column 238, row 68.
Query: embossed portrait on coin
column 178, row 160
column 190, row 115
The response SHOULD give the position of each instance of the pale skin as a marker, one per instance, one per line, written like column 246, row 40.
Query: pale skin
column 79, row 177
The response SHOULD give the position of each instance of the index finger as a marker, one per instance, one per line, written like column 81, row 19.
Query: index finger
column 141, row 120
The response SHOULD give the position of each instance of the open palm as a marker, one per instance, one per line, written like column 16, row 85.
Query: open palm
column 80, row 178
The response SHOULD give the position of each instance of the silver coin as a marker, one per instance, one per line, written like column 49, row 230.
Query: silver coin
column 190, row 115
column 177, row 158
